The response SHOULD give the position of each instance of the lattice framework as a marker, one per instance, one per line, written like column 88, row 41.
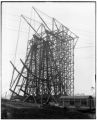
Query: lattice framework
column 48, row 70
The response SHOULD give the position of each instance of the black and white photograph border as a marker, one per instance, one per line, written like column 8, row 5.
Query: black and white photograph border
column 48, row 65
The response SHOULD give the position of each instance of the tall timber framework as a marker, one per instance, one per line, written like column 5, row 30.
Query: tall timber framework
column 48, row 70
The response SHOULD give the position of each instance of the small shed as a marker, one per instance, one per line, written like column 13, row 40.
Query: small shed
column 74, row 100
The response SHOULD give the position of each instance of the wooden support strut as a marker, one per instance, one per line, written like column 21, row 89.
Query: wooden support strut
column 20, row 89
column 41, row 18
column 17, row 70
column 31, row 71
column 28, row 96
column 14, row 92
column 22, row 70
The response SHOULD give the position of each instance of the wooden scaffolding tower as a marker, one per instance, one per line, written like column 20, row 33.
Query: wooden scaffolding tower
column 48, row 70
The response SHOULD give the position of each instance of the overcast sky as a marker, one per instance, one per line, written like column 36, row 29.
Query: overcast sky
column 79, row 17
